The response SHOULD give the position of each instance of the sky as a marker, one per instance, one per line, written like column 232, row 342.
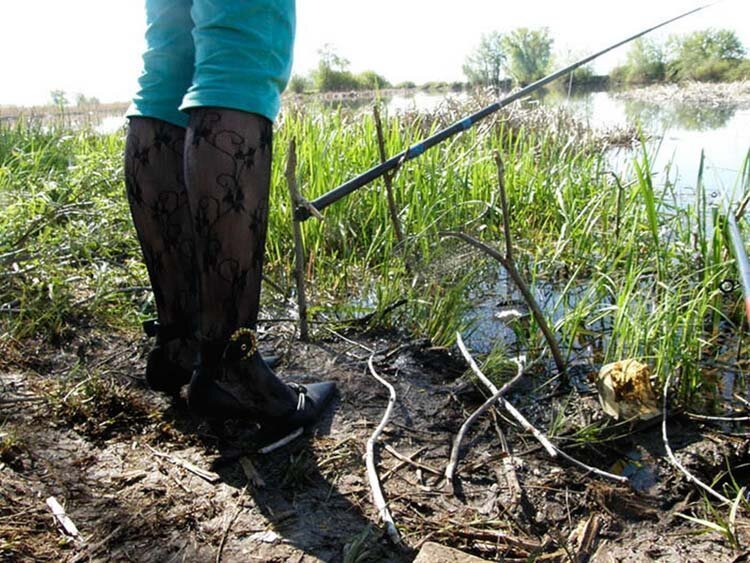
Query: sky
column 94, row 46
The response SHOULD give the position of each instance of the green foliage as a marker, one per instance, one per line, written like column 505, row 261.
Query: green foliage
column 646, row 62
column 709, row 56
column 59, row 98
column 528, row 52
column 299, row 84
column 332, row 75
column 83, row 100
column 370, row 80
column 406, row 85
column 485, row 66
column 646, row 266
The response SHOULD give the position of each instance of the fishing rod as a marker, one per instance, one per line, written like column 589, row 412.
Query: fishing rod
column 302, row 212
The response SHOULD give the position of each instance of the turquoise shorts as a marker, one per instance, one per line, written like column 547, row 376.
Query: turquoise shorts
column 224, row 53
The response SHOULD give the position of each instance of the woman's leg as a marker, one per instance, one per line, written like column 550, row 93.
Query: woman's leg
column 156, row 188
column 242, row 63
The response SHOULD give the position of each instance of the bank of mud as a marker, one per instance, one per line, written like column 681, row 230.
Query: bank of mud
column 78, row 424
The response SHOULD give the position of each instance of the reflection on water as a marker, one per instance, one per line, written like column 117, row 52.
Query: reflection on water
column 677, row 132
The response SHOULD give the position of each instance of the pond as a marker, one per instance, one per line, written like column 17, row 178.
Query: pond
column 677, row 132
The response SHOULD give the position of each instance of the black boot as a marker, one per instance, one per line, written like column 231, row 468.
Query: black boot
column 228, row 174
column 232, row 381
column 171, row 360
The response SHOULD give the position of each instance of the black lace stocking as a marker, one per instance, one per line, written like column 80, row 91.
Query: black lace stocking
column 159, row 205
column 227, row 171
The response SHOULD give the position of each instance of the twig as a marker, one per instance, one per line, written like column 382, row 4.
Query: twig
column 299, row 251
column 453, row 461
column 252, row 474
column 283, row 442
column 391, row 450
column 692, row 478
column 717, row 418
column 523, row 288
column 510, row 266
column 209, row 476
column 350, row 341
column 600, row 472
column 229, row 524
column 62, row 518
column 372, row 473
column 551, row 450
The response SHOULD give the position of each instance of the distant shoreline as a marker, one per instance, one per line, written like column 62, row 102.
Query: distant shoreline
column 714, row 93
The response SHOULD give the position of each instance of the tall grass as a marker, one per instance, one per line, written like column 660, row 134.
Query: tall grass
column 633, row 268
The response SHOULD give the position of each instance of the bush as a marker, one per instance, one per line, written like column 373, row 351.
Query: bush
column 370, row 80
column 299, row 84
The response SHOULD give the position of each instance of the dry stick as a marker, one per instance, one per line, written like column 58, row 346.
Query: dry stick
column 671, row 455
column 453, row 461
column 387, row 177
column 209, row 476
column 372, row 473
column 411, row 461
column 509, row 264
column 299, row 251
column 234, row 516
column 549, row 446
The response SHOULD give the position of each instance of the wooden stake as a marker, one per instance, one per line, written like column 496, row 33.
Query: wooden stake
column 387, row 177
column 299, row 251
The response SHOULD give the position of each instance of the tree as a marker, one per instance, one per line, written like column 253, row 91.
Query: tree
column 705, row 55
column 59, row 99
column 332, row 74
column 83, row 100
column 646, row 61
column 371, row 80
column 529, row 53
column 485, row 65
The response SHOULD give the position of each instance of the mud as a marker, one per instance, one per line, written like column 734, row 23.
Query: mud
column 77, row 423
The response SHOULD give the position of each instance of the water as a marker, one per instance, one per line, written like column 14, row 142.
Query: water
column 677, row 133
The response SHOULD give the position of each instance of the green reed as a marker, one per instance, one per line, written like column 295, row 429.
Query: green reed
column 649, row 265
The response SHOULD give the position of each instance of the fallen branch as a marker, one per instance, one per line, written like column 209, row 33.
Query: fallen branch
column 509, row 264
column 372, row 474
column 670, row 455
column 549, row 446
column 552, row 450
column 453, row 461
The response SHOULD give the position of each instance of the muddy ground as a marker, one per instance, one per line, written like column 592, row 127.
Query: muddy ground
column 77, row 423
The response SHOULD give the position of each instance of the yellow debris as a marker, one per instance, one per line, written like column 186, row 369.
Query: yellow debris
column 625, row 390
